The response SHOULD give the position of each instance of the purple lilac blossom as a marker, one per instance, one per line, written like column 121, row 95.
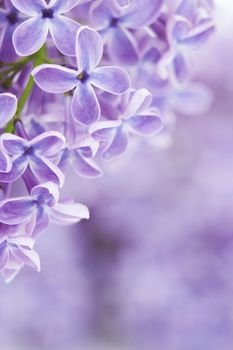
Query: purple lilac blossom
column 136, row 117
column 89, row 50
column 9, row 19
column 37, row 209
column 45, row 18
column 115, row 22
column 33, row 154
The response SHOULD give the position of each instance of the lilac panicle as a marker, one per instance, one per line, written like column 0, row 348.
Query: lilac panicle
column 56, row 79
column 118, row 79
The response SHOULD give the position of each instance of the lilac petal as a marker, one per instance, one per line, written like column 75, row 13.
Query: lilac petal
column 186, row 9
column 142, row 13
column 124, row 3
column 15, row 211
column 101, row 14
column 85, row 106
column 49, row 143
column 5, row 162
column 69, row 213
column 3, row 32
column 24, row 241
column 8, row 106
column 102, row 130
column 19, row 166
column 145, row 125
column 4, row 254
column 9, row 273
column 198, row 36
column 54, row 79
column 12, row 144
column 140, row 100
column 26, row 256
column 111, row 79
column 30, row 36
column 62, row 28
column 44, row 170
column 89, row 48
column 118, row 144
column 42, row 221
column 29, row 7
column 192, row 100
column 88, row 146
column 181, row 69
column 47, row 189
column 62, row 6
column 3, row 20
column 85, row 167
column 123, row 47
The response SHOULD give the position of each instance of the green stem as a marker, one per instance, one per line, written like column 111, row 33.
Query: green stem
column 38, row 58
column 14, row 67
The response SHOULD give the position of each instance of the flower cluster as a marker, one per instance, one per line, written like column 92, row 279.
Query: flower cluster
column 79, row 81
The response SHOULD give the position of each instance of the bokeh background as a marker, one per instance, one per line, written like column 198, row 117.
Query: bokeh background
column 153, row 268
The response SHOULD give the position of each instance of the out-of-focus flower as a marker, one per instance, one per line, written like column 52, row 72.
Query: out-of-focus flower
column 115, row 23
column 15, row 252
column 136, row 117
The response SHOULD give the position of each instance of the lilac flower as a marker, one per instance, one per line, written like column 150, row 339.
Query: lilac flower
column 35, row 155
column 15, row 251
column 138, row 118
column 9, row 19
column 45, row 18
column 189, row 32
column 81, row 154
column 39, row 207
column 80, row 148
column 191, row 27
column 56, row 79
column 115, row 22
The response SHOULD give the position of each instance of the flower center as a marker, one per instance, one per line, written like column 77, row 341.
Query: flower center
column 12, row 18
column 114, row 22
column 45, row 199
column 83, row 76
column 28, row 151
column 47, row 13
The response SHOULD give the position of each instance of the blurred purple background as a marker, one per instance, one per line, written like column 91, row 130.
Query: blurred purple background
column 152, row 269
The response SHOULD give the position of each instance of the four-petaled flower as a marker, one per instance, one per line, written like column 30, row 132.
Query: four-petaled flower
column 41, row 206
column 138, row 117
column 85, row 107
column 46, row 18
column 16, row 250
column 116, row 22
column 34, row 155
